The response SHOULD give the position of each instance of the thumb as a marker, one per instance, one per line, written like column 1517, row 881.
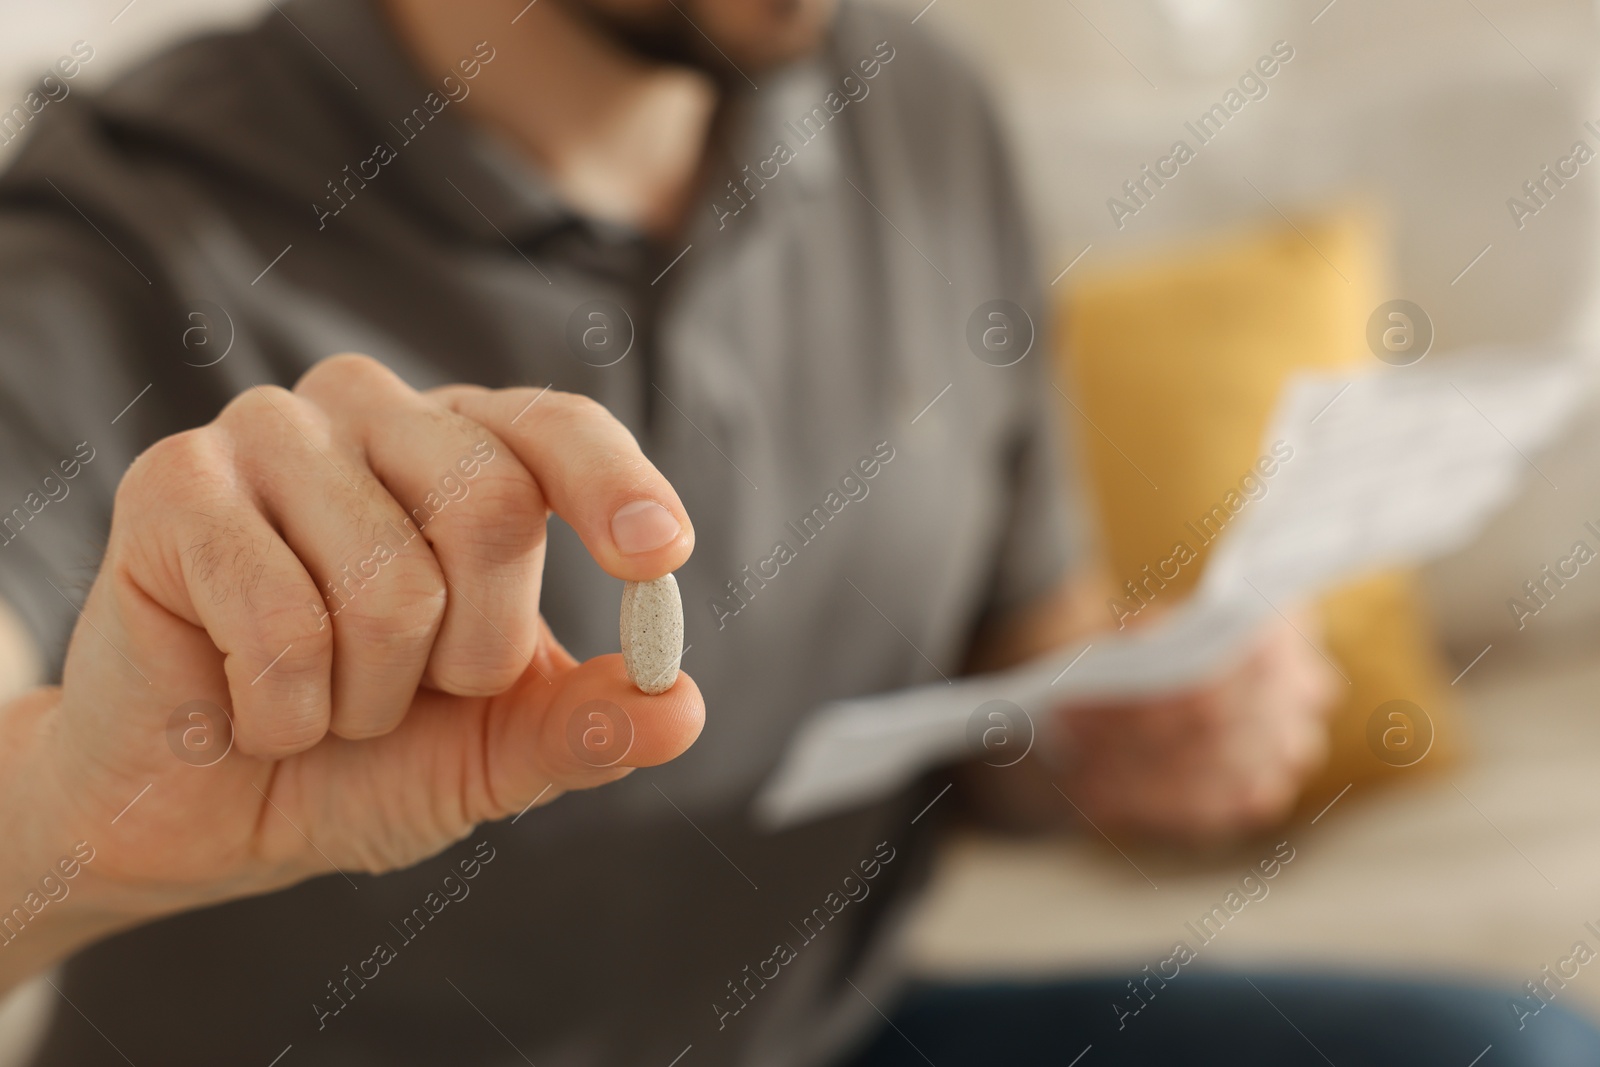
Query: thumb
column 578, row 725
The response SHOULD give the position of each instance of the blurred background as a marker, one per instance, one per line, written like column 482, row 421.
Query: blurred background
column 1392, row 140
column 1377, row 166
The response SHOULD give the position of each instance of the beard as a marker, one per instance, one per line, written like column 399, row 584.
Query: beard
column 665, row 37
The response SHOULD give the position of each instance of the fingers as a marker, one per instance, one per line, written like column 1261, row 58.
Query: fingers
column 205, row 554
column 1309, row 677
column 380, row 540
column 469, row 499
column 1214, row 762
column 591, row 472
column 384, row 590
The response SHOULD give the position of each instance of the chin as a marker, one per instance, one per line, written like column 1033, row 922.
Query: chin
column 753, row 34
column 768, row 33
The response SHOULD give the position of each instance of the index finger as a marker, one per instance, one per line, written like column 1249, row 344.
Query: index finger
column 592, row 473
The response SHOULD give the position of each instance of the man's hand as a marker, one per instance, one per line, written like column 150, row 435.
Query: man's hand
column 1211, row 763
column 352, row 571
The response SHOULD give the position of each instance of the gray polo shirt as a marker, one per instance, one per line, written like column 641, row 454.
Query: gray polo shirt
column 247, row 204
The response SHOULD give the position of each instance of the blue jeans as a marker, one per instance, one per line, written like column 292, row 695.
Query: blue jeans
column 1199, row 1020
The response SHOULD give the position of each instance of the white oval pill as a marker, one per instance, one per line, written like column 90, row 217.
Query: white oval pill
column 652, row 633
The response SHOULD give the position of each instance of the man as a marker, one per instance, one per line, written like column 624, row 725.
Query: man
column 711, row 260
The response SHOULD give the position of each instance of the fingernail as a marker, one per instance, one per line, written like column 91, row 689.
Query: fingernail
column 643, row 526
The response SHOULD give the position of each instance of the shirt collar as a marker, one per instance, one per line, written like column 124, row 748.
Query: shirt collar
column 474, row 181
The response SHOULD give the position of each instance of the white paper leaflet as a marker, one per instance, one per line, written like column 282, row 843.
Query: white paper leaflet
column 1390, row 468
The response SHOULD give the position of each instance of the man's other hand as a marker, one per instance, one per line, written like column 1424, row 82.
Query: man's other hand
column 1211, row 763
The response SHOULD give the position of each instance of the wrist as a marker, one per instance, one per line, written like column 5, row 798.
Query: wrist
column 44, row 917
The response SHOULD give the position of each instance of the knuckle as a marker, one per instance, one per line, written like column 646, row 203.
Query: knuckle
column 251, row 408
column 285, row 730
column 294, row 638
column 573, row 406
column 290, row 652
column 399, row 609
column 1268, row 803
column 345, row 370
column 504, row 519
column 457, row 392
column 172, row 466
column 484, row 667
